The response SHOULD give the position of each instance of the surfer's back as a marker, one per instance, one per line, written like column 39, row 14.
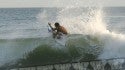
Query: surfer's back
column 62, row 29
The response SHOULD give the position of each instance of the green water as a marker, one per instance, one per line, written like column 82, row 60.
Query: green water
column 78, row 48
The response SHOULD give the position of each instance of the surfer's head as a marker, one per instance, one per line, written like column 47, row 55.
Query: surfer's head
column 57, row 24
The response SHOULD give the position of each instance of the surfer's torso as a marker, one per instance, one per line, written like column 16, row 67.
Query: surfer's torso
column 61, row 29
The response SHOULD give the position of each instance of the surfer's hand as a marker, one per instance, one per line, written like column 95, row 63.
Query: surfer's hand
column 49, row 23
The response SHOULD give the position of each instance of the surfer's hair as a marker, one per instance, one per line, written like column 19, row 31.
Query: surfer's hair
column 57, row 24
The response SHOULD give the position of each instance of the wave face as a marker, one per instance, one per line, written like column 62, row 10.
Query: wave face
column 22, row 30
column 14, row 49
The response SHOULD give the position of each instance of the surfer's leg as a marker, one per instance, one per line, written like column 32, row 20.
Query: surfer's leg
column 59, row 35
column 54, row 34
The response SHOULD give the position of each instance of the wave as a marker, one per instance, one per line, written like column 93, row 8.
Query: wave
column 17, row 48
column 88, row 31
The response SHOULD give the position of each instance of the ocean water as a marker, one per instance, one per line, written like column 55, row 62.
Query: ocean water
column 21, row 29
column 31, row 22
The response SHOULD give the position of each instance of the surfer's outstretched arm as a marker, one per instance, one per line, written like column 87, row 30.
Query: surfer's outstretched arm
column 51, row 26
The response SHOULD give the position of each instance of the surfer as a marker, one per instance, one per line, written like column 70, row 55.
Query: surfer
column 58, row 31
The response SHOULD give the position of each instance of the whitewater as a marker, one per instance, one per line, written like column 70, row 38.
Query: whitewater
column 92, row 23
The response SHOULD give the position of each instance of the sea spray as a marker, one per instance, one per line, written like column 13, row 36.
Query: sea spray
column 91, row 22
column 82, row 20
column 85, row 21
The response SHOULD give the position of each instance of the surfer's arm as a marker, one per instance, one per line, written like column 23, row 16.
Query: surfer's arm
column 52, row 27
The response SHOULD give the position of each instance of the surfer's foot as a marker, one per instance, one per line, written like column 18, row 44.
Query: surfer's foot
column 58, row 37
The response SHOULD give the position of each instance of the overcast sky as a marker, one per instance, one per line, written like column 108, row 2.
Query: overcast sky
column 60, row 3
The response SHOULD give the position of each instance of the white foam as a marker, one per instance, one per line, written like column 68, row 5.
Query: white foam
column 92, row 23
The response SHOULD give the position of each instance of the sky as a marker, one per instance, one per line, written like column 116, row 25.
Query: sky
column 59, row 3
